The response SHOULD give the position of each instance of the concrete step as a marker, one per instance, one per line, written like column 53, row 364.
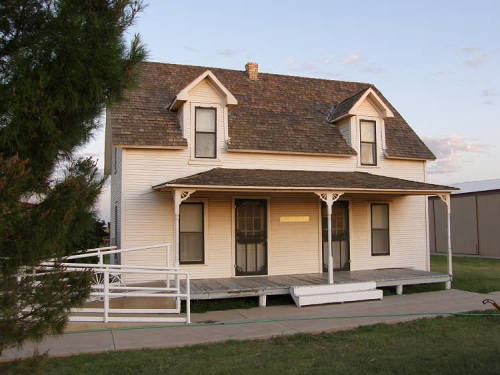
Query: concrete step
column 335, row 293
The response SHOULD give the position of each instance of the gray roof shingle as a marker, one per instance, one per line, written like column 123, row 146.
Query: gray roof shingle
column 274, row 113
column 301, row 179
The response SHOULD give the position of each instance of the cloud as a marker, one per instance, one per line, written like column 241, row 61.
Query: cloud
column 476, row 61
column 191, row 49
column 469, row 50
column 327, row 59
column 227, row 52
column 450, row 152
column 372, row 69
column 351, row 59
column 489, row 92
column 296, row 66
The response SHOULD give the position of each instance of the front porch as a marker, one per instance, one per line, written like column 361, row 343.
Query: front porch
column 262, row 286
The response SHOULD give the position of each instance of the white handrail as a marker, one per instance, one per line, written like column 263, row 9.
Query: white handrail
column 109, row 284
column 100, row 254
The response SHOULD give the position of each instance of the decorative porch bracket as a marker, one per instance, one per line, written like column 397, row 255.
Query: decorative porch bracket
column 329, row 197
column 446, row 199
column 179, row 197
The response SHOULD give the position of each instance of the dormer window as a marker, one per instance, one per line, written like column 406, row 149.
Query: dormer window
column 368, row 154
column 205, row 132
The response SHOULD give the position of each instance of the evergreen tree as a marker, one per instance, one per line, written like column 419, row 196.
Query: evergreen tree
column 61, row 63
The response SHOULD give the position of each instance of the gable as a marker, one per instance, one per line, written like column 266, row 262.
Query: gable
column 369, row 108
column 206, row 91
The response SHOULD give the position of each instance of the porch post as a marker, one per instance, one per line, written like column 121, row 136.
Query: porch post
column 329, row 198
column 446, row 199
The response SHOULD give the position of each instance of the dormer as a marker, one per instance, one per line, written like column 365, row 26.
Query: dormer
column 360, row 119
column 202, row 108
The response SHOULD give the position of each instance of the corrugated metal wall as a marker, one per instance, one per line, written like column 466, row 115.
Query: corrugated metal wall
column 475, row 224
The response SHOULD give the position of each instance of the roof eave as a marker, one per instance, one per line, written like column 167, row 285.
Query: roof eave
column 168, row 187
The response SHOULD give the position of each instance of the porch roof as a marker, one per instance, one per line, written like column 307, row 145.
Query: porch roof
column 297, row 180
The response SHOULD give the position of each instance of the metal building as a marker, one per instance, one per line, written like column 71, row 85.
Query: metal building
column 475, row 220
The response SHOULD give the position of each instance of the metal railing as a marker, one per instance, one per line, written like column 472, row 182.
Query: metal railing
column 111, row 284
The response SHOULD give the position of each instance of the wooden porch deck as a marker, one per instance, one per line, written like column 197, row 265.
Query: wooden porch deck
column 273, row 285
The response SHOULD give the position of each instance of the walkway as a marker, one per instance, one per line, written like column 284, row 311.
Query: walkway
column 241, row 325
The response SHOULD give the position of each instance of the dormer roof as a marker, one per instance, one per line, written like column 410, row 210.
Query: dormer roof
column 183, row 95
column 349, row 106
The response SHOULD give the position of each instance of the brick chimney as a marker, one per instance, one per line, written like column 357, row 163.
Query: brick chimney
column 252, row 70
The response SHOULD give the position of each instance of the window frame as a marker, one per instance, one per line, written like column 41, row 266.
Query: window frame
column 214, row 109
column 374, row 143
column 202, row 261
column 388, row 228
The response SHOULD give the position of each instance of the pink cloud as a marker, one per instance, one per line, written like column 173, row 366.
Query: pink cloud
column 450, row 152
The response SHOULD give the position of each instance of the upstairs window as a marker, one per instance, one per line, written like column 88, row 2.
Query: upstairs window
column 380, row 229
column 368, row 143
column 205, row 133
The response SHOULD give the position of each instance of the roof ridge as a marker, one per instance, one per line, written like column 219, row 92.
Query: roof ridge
column 265, row 73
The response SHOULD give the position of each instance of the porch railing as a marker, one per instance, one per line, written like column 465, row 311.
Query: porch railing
column 111, row 283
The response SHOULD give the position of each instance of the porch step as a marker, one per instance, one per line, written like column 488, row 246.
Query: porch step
column 335, row 293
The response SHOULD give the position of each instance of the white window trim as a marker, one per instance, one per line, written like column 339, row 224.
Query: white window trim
column 389, row 203
column 193, row 160
column 378, row 137
column 205, row 233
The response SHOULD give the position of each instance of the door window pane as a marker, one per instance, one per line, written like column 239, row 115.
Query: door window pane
column 191, row 237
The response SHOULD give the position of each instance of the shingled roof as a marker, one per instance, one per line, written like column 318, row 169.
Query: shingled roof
column 274, row 113
column 268, row 178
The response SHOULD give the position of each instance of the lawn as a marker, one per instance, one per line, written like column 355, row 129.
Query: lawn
column 440, row 346
column 471, row 274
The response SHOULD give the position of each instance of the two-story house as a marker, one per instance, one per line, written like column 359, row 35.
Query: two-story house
column 249, row 173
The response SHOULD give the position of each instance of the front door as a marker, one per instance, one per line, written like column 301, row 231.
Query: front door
column 340, row 235
column 251, row 236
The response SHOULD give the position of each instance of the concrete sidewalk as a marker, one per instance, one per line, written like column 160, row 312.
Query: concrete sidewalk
column 279, row 320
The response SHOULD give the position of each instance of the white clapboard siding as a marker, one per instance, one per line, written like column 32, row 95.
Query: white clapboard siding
column 368, row 108
column 294, row 247
column 147, row 216
column 407, row 230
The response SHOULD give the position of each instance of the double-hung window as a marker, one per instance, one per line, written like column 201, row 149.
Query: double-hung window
column 191, row 233
column 205, row 133
column 368, row 142
column 380, row 228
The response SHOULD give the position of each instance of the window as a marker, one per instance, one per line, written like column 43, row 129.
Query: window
column 380, row 229
column 191, row 236
column 368, row 143
column 205, row 133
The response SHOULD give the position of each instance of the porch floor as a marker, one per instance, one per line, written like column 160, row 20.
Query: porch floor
column 280, row 284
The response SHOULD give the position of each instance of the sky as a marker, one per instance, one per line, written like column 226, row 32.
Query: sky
column 436, row 61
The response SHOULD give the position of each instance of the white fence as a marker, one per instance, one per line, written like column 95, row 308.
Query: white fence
column 111, row 295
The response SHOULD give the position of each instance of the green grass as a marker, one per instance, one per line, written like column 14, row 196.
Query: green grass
column 440, row 346
column 472, row 274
